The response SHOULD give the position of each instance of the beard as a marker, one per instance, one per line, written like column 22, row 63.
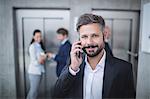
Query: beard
column 93, row 53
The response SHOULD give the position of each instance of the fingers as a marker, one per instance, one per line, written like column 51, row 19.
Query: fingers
column 49, row 55
column 41, row 61
column 76, row 47
column 76, row 50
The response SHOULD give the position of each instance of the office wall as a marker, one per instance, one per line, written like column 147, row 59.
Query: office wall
column 143, row 80
column 7, row 67
column 77, row 7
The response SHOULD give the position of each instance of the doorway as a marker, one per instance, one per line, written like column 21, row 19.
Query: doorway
column 48, row 21
column 124, row 38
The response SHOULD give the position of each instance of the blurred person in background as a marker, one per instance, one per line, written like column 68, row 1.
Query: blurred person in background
column 64, row 50
column 107, row 33
column 36, row 66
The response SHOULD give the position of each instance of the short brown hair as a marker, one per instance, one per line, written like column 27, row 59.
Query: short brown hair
column 89, row 19
column 62, row 31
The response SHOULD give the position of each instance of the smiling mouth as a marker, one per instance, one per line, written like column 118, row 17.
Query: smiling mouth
column 91, row 46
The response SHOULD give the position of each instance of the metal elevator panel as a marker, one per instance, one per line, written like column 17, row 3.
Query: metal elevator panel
column 29, row 25
column 48, row 21
column 125, row 34
column 52, row 44
column 121, row 38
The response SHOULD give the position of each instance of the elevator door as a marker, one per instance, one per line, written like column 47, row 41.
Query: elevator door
column 124, row 34
column 48, row 21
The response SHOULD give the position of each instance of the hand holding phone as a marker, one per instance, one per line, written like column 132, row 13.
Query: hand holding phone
column 75, row 55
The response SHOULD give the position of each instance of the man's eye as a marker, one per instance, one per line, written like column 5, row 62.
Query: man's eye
column 94, row 35
column 84, row 37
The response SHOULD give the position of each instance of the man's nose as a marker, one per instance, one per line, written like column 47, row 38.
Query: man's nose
column 89, row 40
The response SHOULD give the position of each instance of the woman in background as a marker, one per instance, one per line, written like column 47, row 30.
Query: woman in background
column 36, row 67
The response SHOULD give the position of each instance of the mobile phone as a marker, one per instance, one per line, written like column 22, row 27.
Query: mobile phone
column 79, row 53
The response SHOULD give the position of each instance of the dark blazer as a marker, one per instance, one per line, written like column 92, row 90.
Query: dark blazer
column 117, row 81
column 62, row 56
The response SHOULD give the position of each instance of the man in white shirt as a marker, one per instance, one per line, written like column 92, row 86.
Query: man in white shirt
column 95, row 74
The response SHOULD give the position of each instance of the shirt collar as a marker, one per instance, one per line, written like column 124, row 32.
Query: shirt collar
column 101, row 63
column 64, row 41
column 37, row 44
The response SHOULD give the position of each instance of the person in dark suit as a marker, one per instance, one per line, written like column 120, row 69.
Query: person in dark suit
column 64, row 50
column 94, row 74
column 107, row 34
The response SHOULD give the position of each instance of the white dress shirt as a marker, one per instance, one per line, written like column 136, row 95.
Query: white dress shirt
column 64, row 41
column 93, row 79
column 35, row 51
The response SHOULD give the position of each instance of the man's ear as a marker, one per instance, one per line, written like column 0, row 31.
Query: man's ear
column 65, row 36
